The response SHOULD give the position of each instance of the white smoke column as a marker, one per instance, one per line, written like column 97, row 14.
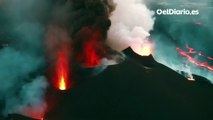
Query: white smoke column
column 131, row 23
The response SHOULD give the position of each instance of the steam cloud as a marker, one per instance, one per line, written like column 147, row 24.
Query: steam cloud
column 131, row 23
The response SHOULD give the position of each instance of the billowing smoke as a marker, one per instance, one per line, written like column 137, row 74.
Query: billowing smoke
column 32, row 34
column 91, row 31
column 80, row 28
column 28, row 101
column 172, row 31
column 21, row 57
column 85, row 24
column 131, row 23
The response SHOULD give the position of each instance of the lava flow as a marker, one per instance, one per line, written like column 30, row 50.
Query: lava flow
column 62, row 71
column 190, row 52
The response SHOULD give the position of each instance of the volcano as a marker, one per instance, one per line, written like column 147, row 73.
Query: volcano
column 130, row 91
column 58, row 62
column 138, row 88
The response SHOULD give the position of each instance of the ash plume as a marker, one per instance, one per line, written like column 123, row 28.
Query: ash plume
column 84, row 23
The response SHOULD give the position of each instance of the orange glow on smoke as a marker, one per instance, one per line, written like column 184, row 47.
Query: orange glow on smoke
column 90, row 54
column 62, row 71
column 36, row 112
column 190, row 52
column 92, row 51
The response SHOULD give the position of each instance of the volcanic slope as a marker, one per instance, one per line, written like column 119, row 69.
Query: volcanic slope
column 130, row 91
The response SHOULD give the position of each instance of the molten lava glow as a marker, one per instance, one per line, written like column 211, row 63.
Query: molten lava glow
column 62, row 71
column 190, row 52
column 191, row 79
column 62, row 84
column 146, row 48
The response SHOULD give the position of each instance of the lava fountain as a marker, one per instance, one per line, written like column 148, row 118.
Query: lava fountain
column 62, row 71
column 62, row 83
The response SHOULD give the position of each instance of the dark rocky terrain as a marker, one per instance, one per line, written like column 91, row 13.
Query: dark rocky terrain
column 130, row 91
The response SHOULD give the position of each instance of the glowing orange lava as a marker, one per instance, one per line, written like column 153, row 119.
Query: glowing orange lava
column 190, row 52
column 62, row 84
column 146, row 49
